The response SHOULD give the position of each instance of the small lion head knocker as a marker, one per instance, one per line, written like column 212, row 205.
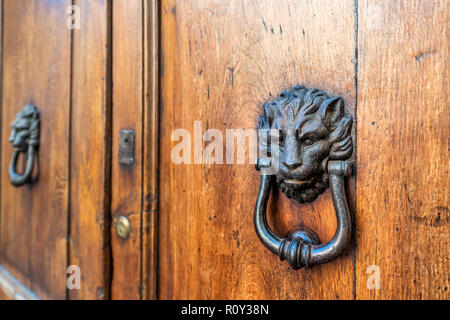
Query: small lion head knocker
column 311, row 129
column 24, row 138
column 304, row 141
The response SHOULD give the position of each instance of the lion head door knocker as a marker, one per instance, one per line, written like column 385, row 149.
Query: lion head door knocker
column 304, row 140
column 24, row 139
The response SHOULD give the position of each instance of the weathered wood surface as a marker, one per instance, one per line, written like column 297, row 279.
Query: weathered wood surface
column 150, row 150
column 403, row 136
column 90, row 150
column 192, row 233
column 126, row 183
column 220, row 62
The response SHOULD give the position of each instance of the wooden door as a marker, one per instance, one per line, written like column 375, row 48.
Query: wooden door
column 34, row 219
column 195, row 72
column 61, row 218
column 221, row 60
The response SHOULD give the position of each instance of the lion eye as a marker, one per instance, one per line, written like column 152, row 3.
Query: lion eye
column 308, row 142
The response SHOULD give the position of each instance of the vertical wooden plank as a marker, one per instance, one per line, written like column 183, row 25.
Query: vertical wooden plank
column 150, row 148
column 403, row 131
column 127, row 114
column 36, row 69
column 220, row 62
column 1, row 111
column 90, row 150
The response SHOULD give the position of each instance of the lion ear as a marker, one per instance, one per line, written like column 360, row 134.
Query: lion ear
column 331, row 111
column 269, row 112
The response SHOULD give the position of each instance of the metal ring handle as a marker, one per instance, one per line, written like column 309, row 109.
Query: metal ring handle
column 18, row 179
column 24, row 139
column 302, row 248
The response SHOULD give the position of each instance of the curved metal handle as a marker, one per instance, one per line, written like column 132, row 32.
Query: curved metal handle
column 24, row 139
column 302, row 247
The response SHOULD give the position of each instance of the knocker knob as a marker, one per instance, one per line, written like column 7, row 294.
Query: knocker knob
column 296, row 248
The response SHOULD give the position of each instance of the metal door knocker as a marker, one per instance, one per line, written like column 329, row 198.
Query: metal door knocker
column 24, row 139
column 305, row 140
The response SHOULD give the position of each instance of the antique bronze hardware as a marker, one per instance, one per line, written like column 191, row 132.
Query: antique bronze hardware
column 24, row 139
column 126, row 147
column 304, row 141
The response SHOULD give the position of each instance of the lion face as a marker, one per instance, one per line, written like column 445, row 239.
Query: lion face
column 25, row 128
column 307, row 129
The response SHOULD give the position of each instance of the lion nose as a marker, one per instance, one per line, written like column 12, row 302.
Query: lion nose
column 292, row 165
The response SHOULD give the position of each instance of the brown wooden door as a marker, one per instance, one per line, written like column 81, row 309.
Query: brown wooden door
column 221, row 60
column 168, row 68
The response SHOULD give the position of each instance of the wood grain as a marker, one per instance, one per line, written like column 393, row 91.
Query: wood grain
column 1, row 117
column 192, row 234
column 220, row 62
column 90, row 150
column 126, row 187
column 34, row 218
column 403, row 132
column 150, row 149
